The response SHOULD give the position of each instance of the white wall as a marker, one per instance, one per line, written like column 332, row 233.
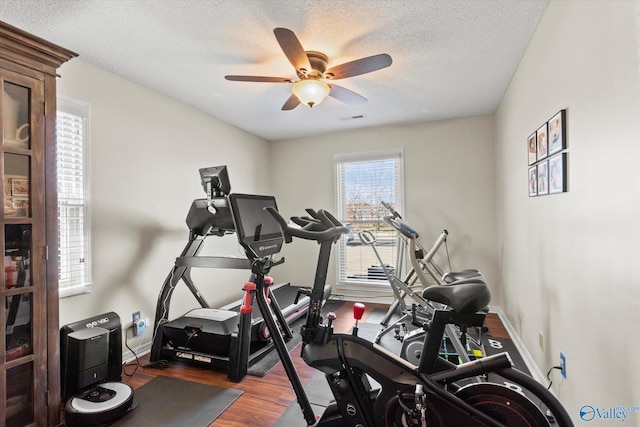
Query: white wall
column 570, row 262
column 449, row 184
column 146, row 150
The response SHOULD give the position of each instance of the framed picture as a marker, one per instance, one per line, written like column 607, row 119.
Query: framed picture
column 16, row 195
column 558, row 173
column 19, row 208
column 541, row 137
column 533, row 148
column 20, row 187
column 533, row 181
column 557, row 133
column 543, row 178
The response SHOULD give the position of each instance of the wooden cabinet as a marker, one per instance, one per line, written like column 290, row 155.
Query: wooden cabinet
column 29, row 350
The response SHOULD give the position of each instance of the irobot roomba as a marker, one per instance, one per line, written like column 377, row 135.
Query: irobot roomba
column 99, row 404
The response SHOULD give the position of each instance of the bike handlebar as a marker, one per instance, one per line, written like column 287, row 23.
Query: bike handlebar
column 393, row 212
column 322, row 226
column 401, row 227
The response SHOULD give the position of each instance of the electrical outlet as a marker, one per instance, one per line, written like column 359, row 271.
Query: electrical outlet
column 139, row 326
column 135, row 316
column 563, row 365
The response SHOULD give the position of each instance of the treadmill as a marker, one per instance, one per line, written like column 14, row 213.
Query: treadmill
column 231, row 337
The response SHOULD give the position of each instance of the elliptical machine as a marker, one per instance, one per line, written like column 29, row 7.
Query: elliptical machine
column 466, row 346
column 429, row 394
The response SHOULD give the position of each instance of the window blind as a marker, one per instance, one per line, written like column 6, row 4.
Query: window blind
column 73, row 218
column 364, row 180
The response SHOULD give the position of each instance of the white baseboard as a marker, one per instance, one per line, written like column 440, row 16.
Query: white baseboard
column 363, row 298
column 141, row 350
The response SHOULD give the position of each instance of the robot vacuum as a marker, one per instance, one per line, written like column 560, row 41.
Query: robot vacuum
column 99, row 404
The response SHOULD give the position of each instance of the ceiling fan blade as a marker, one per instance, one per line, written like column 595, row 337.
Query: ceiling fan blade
column 291, row 103
column 360, row 66
column 259, row 79
column 292, row 48
column 347, row 96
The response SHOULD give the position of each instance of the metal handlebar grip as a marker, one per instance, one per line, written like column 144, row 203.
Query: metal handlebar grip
column 367, row 237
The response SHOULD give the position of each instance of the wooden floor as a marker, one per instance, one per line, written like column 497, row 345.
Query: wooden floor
column 264, row 399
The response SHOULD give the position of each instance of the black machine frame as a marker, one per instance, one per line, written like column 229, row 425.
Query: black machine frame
column 246, row 342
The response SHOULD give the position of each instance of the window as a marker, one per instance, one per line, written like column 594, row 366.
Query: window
column 364, row 180
column 73, row 201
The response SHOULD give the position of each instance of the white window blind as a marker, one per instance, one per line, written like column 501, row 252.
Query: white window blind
column 364, row 180
column 73, row 207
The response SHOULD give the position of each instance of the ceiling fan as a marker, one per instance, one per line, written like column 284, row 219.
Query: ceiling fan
column 315, row 79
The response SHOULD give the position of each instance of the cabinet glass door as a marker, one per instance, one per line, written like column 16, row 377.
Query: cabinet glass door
column 15, row 116
column 23, row 350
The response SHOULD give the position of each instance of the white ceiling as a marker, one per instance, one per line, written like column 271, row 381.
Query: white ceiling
column 450, row 58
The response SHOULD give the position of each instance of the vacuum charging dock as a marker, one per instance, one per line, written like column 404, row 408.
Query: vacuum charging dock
column 91, row 366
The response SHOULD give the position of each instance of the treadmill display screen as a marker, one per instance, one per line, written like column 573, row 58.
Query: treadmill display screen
column 258, row 232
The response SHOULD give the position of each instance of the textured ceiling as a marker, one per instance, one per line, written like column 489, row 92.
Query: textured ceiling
column 450, row 58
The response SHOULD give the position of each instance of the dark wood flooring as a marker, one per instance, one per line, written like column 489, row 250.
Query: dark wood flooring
column 264, row 399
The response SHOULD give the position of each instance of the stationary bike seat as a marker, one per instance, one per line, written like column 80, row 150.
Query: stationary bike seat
column 463, row 298
column 464, row 276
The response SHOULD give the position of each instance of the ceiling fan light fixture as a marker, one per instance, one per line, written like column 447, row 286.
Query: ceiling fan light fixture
column 311, row 92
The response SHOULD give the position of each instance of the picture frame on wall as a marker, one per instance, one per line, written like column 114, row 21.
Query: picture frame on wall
column 533, row 148
column 533, row 181
column 543, row 177
column 557, row 133
column 542, row 142
column 558, row 173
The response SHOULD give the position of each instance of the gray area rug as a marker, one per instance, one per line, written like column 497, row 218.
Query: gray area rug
column 319, row 395
column 166, row 401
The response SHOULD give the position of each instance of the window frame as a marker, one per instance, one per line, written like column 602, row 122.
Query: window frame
column 396, row 154
column 81, row 109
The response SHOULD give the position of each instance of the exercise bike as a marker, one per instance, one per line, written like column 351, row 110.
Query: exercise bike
column 428, row 394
